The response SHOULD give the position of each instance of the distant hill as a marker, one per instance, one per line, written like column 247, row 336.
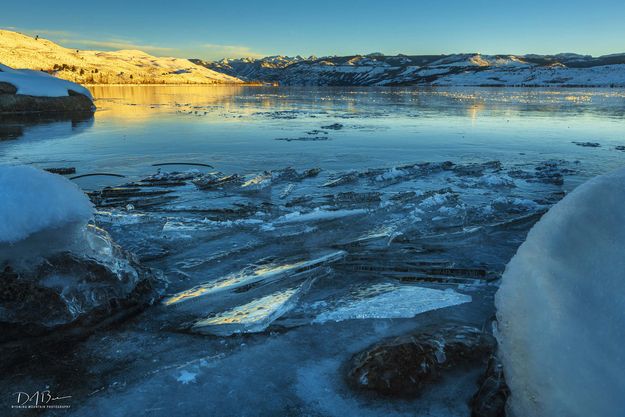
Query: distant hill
column 89, row 67
column 444, row 70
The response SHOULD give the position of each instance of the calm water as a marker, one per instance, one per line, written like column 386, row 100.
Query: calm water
column 235, row 128
column 278, row 276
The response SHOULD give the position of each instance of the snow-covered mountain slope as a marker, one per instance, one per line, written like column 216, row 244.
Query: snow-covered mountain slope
column 252, row 69
column 87, row 67
column 449, row 70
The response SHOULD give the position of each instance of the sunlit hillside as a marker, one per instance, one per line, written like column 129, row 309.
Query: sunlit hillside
column 98, row 67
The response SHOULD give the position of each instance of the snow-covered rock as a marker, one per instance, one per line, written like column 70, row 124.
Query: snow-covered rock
column 25, row 91
column 37, row 83
column 561, row 310
column 60, row 276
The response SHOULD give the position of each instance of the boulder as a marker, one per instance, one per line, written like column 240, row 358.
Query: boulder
column 6, row 88
column 407, row 364
column 17, row 103
column 29, row 91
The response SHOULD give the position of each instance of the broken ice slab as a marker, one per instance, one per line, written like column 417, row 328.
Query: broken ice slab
column 381, row 236
column 352, row 198
column 259, row 274
column 398, row 174
column 409, row 269
column 391, row 301
column 342, row 180
column 317, row 214
column 122, row 196
column 257, row 182
column 252, row 317
column 216, row 180
column 287, row 191
column 476, row 169
column 290, row 174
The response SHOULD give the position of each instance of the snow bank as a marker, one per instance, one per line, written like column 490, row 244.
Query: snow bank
column 561, row 307
column 34, row 201
column 40, row 84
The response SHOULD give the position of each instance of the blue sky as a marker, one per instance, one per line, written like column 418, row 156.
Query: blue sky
column 211, row 30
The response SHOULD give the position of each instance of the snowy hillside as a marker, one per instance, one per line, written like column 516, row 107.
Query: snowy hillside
column 116, row 67
column 448, row 70
column 265, row 69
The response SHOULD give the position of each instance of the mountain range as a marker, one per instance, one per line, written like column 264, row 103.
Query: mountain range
column 137, row 67
column 438, row 70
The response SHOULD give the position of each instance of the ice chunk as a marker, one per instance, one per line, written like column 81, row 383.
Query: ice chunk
column 496, row 180
column 34, row 201
column 436, row 199
column 252, row 317
column 317, row 215
column 265, row 273
column 257, row 182
column 561, row 310
column 393, row 301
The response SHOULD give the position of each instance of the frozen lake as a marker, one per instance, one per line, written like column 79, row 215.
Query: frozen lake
column 235, row 128
column 328, row 220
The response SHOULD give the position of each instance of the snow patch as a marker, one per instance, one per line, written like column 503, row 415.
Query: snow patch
column 34, row 201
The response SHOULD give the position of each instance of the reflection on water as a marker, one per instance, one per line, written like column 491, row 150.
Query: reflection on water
column 235, row 128
column 138, row 102
column 134, row 101
column 40, row 126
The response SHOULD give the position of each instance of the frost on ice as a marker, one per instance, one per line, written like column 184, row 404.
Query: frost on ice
column 560, row 307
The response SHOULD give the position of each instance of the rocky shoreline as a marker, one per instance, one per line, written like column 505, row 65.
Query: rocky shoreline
column 13, row 103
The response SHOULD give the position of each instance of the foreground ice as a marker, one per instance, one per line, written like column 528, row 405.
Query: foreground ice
column 560, row 307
